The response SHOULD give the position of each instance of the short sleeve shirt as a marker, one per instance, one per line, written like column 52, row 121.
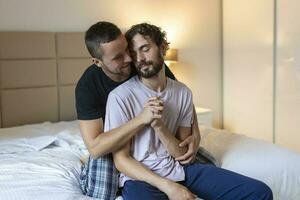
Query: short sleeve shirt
column 92, row 92
column 127, row 101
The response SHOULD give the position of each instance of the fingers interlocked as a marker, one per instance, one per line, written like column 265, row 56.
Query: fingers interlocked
column 155, row 104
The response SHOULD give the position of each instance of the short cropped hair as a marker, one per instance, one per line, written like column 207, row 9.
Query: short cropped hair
column 156, row 34
column 99, row 33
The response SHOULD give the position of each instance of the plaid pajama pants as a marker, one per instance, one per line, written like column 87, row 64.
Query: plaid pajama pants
column 99, row 177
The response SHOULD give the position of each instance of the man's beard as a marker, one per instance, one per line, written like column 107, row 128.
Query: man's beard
column 150, row 71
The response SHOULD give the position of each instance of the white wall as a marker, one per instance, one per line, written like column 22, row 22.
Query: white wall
column 248, row 67
column 262, row 70
column 194, row 27
column 288, row 75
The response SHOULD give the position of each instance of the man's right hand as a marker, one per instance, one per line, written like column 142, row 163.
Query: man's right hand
column 153, row 109
column 175, row 191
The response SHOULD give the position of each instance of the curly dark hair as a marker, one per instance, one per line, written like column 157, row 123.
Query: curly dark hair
column 156, row 34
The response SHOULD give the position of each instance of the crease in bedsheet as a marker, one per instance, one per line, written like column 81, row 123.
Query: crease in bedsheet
column 65, row 139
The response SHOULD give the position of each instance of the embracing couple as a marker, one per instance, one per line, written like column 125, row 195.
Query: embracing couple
column 139, row 125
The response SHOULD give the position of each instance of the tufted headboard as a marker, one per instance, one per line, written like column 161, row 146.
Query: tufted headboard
column 38, row 75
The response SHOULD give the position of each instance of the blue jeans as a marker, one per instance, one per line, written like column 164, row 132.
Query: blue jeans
column 207, row 182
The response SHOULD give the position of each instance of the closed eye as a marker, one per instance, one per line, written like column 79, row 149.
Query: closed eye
column 145, row 48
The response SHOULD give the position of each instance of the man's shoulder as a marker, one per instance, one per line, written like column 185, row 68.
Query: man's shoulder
column 88, row 75
column 179, row 86
column 125, row 88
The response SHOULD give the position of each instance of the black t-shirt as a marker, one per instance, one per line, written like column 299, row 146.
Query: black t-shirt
column 93, row 89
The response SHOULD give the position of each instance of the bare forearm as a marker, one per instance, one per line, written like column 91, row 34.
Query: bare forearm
column 196, row 132
column 137, row 171
column 100, row 143
column 110, row 141
column 170, row 142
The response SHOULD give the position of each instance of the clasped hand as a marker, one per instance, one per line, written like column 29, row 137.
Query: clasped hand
column 152, row 112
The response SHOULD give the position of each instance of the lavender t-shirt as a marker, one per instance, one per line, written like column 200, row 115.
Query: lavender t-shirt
column 127, row 101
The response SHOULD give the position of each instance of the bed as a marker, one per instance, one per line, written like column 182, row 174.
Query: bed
column 41, row 150
column 278, row 167
column 43, row 161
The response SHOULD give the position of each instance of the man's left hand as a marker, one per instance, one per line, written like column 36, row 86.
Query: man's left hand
column 190, row 155
column 192, row 142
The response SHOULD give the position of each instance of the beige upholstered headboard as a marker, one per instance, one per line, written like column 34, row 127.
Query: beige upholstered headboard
column 38, row 75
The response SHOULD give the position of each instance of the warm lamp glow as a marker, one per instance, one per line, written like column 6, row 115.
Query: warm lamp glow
column 171, row 56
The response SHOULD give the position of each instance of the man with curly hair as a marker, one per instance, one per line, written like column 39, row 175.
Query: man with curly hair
column 147, row 163
column 111, row 67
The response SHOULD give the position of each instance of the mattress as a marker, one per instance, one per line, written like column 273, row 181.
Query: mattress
column 276, row 166
column 41, row 162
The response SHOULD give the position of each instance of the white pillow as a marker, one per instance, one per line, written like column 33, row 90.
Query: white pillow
column 279, row 168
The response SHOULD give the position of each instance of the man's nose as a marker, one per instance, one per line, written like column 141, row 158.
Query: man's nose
column 140, row 57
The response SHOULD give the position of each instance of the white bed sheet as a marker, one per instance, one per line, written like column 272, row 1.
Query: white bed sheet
column 42, row 172
column 278, row 167
column 45, row 163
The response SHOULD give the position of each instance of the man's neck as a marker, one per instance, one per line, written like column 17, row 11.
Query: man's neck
column 157, row 83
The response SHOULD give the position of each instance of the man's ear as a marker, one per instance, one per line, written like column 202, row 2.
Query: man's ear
column 163, row 49
column 97, row 62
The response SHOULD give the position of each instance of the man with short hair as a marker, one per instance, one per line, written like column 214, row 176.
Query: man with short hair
column 111, row 67
column 147, row 162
